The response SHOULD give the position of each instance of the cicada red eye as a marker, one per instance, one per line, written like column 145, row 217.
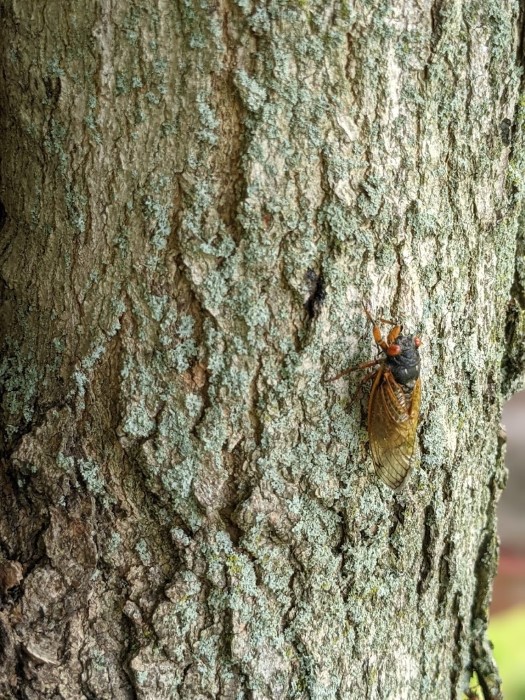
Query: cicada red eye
column 393, row 350
column 417, row 342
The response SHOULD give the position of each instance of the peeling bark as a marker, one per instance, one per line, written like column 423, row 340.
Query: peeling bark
column 196, row 198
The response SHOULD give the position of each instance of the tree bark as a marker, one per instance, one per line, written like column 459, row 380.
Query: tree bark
column 197, row 198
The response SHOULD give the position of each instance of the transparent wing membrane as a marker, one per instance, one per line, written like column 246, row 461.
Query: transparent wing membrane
column 392, row 424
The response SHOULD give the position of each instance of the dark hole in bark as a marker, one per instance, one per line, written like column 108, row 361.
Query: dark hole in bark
column 3, row 215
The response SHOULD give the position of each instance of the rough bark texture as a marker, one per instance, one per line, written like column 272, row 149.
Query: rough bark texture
column 188, row 510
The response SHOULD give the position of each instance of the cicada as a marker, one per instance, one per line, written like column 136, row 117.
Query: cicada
column 394, row 402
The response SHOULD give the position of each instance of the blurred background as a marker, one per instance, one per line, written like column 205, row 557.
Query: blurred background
column 507, row 614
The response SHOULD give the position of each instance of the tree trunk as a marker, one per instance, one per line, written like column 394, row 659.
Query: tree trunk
column 198, row 197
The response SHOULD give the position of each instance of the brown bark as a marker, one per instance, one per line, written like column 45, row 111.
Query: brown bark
column 189, row 510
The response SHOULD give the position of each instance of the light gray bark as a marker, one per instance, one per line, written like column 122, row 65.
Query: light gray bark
column 189, row 510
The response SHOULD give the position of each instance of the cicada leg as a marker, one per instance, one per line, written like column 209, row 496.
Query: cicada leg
column 353, row 369
column 376, row 331
column 366, row 378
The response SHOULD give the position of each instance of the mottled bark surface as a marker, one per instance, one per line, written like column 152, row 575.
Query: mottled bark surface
column 188, row 510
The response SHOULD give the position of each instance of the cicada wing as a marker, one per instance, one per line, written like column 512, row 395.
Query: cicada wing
column 392, row 425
